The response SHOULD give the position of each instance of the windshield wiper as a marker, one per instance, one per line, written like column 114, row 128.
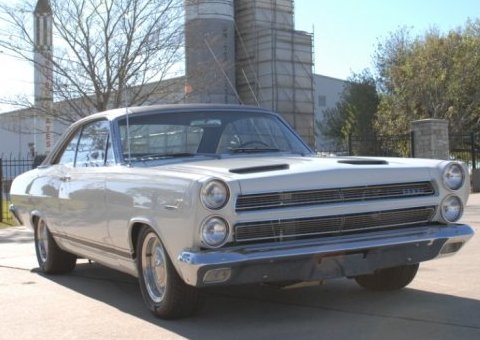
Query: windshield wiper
column 155, row 156
column 254, row 149
column 169, row 155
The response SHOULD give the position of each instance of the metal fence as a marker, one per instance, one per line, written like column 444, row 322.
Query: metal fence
column 10, row 167
column 382, row 146
column 466, row 148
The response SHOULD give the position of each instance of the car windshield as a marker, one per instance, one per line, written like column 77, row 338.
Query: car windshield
column 188, row 134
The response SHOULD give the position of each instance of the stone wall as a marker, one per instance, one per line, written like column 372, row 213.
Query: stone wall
column 430, row 138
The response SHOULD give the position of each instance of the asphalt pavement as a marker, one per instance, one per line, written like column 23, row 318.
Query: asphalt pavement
column 93, row 302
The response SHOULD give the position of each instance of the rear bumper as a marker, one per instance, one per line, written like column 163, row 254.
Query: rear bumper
column 343, row 256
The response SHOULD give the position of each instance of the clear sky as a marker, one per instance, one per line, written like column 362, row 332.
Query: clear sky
column 347, row 32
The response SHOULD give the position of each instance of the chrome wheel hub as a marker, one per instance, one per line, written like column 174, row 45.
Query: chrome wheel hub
column 154, row 269
column 42, row 241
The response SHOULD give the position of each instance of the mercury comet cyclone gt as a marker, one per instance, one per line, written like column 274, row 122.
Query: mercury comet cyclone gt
column 190, row 196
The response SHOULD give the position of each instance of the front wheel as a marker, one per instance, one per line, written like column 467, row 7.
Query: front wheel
column 389, row 278
column 51, row 259
column 163, row 291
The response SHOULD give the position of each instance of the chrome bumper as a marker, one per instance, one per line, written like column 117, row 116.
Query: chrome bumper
column 326, row 258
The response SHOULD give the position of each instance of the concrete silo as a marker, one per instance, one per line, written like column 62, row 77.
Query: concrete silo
column 210, row 51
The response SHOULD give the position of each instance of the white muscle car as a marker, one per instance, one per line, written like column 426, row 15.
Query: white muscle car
column 192, row 196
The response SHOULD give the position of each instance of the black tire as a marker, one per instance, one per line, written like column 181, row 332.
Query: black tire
column 163, row 290
column 51, row 259
column 389, row 278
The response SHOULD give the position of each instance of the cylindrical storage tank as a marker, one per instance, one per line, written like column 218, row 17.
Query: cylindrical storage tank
column 210, row 51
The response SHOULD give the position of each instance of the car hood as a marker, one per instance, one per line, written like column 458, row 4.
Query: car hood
column 295, row 172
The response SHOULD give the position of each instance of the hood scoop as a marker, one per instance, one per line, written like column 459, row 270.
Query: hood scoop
column 363, row 161
column 263, row 168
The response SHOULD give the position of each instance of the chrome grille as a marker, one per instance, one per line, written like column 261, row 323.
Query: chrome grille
column 338, row 195
column 276, row 230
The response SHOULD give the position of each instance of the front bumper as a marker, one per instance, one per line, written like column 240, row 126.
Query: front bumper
column 326, row 258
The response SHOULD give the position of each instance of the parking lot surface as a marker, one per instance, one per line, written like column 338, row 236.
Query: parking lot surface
column 93, row 302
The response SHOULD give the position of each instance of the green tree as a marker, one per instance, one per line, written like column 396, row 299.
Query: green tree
column 354, row 113
column 431, row 76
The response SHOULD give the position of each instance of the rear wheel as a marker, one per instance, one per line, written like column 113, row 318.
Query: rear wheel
column 51, row 259
column 389, row 278
column 163, row 291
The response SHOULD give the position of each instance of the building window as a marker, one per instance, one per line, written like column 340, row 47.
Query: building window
column 322, row 101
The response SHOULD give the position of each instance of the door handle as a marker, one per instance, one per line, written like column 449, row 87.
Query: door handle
column 66, row 178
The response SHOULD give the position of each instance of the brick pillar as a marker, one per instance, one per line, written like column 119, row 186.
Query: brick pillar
column 430, row 138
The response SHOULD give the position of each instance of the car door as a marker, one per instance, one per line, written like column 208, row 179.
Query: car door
column 82, row 199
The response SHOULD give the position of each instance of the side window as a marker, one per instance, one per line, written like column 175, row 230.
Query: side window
column 110, row 160
column 68, row 155
column 93, row 145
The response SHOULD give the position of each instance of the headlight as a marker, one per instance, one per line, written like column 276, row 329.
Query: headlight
column 214, row 232
column 453, row 176
column 451, row 208
column 214, row 194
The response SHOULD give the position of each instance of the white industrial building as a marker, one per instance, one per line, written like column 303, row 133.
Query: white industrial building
column 17, row 131
column 328, row 92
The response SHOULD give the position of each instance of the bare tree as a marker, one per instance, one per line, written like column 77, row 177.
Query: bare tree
column 107, row 53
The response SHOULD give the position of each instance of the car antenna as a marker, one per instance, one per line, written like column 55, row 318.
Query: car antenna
column 127, row 117
column 125, row 93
